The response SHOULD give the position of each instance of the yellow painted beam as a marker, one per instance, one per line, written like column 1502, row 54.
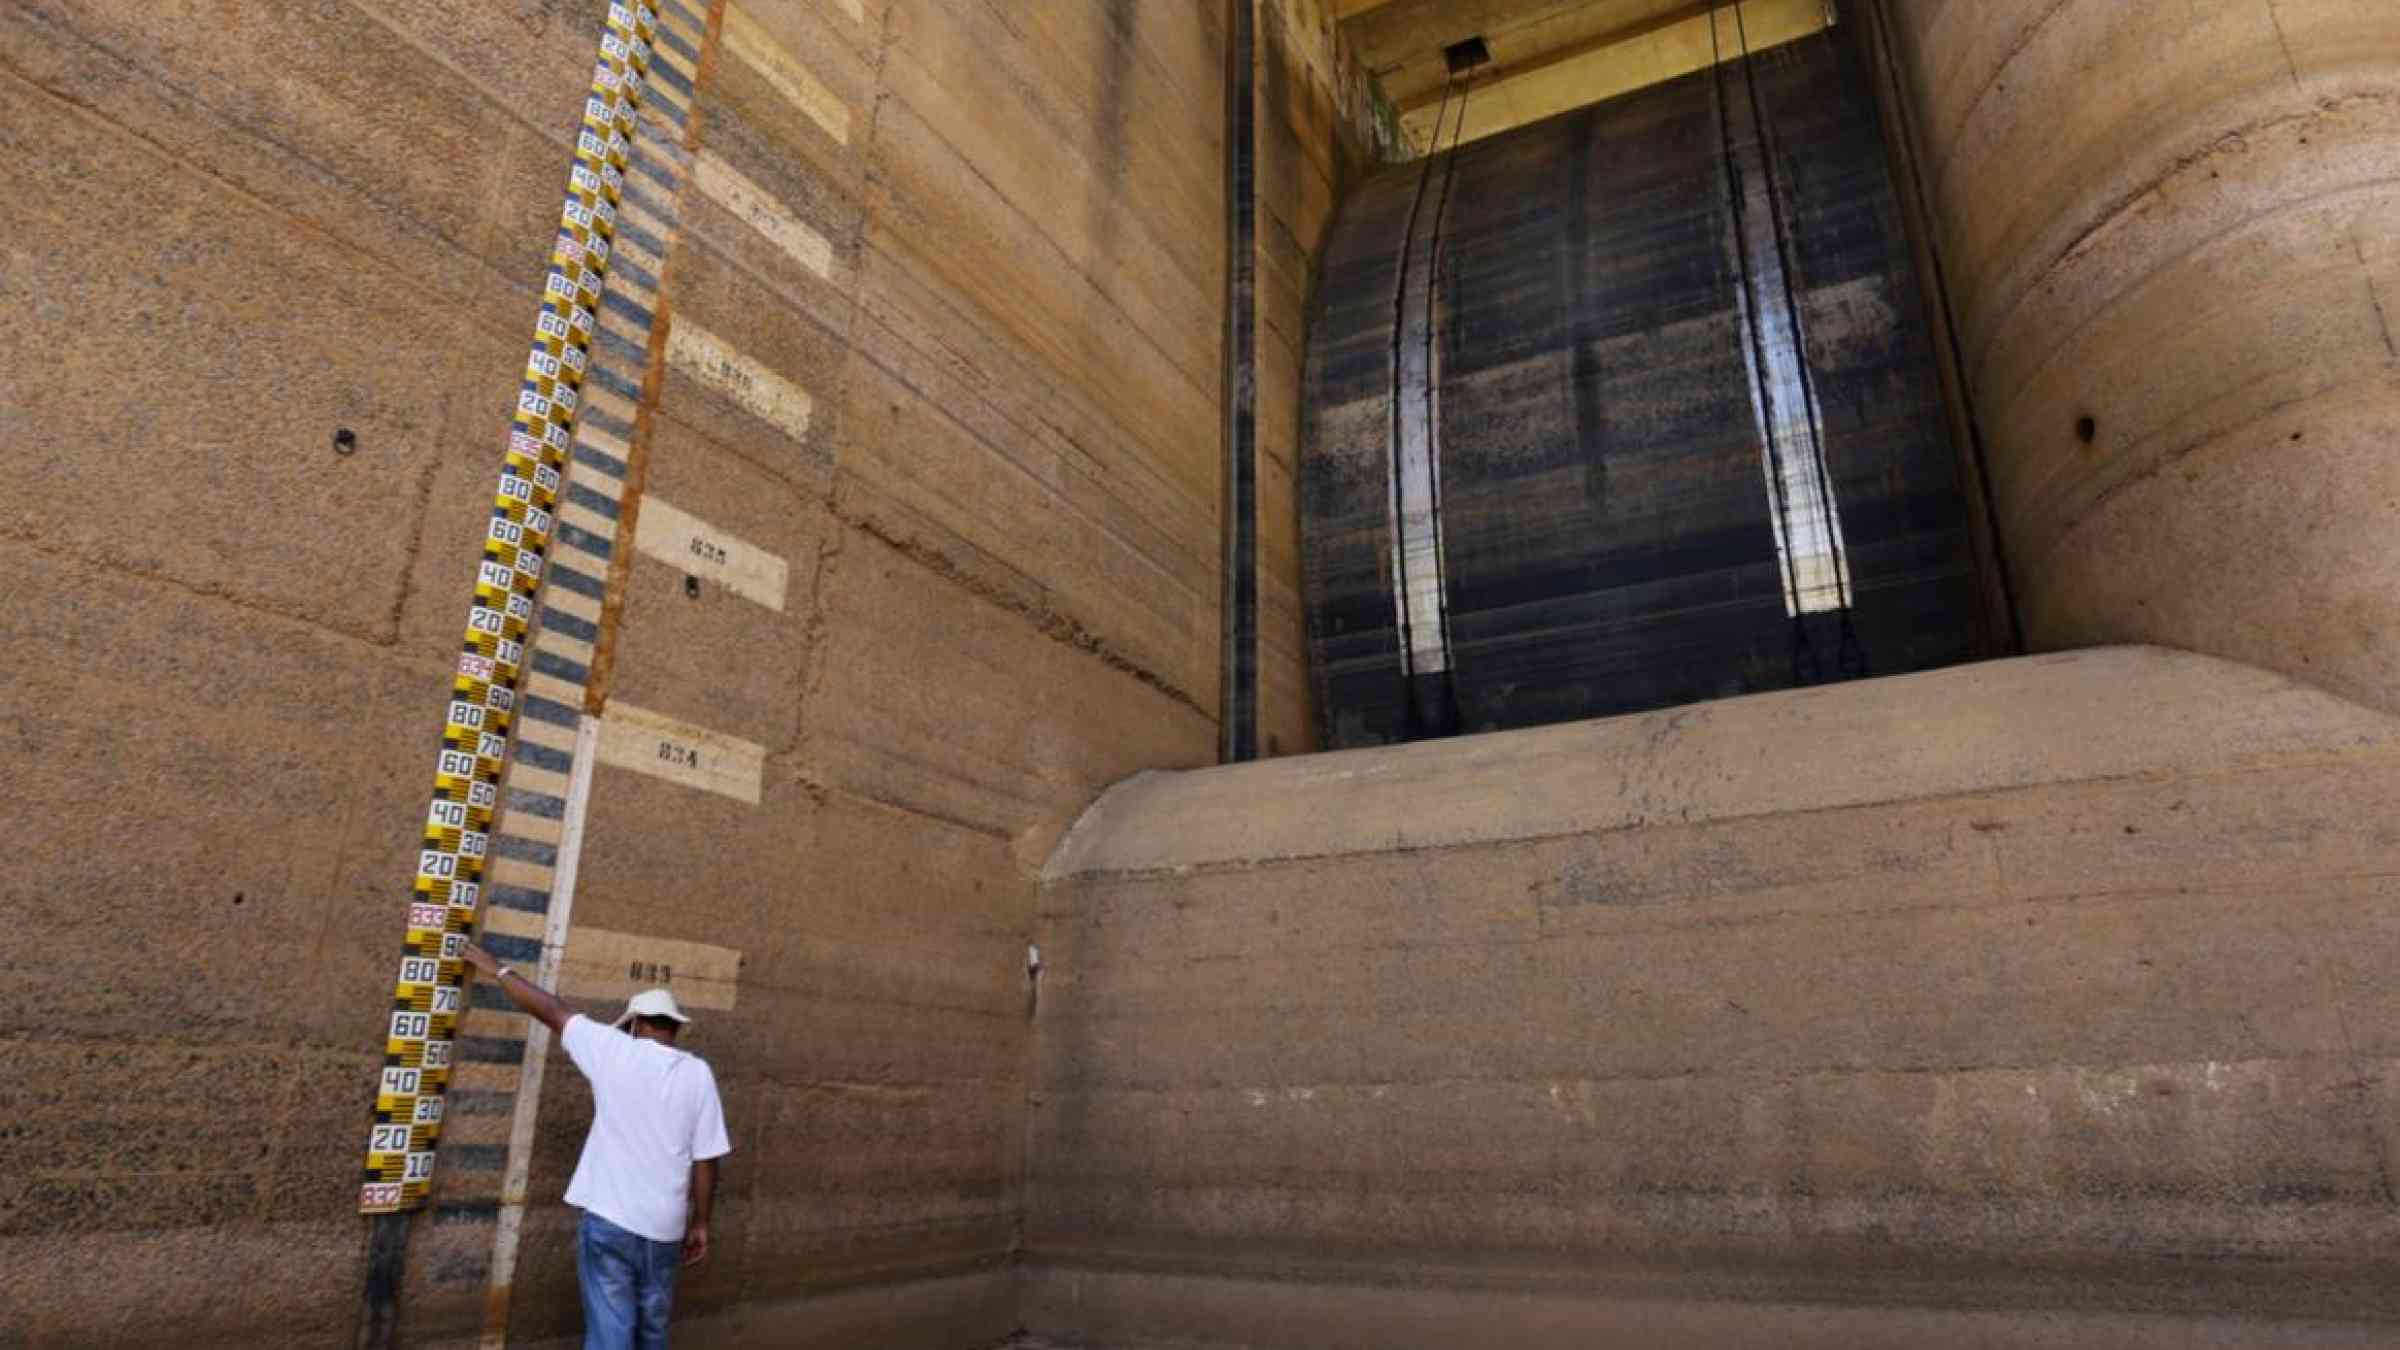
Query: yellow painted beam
column 1614, row 37
column 1615, row 64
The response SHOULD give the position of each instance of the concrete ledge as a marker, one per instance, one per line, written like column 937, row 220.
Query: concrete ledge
column 1125, row 1311
column 1944, row 1005
column 2114, row 712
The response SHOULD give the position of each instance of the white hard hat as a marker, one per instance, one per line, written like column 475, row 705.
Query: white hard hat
column 650, row 1003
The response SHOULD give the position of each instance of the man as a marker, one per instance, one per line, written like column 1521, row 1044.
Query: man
column 648, row 1176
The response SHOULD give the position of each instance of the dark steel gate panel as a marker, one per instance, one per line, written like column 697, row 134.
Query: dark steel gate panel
column 1608, row 538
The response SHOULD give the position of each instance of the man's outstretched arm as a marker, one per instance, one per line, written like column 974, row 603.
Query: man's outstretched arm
column 521, row 991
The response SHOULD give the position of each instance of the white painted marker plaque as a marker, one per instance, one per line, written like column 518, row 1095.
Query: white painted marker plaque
column 661, row 747
column 689, row 544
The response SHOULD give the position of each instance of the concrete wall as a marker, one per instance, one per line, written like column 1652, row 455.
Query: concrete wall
column 2036, row 1003
column 2185, row 229
column 985, row 244
column 1321, row 128
column 235, row 229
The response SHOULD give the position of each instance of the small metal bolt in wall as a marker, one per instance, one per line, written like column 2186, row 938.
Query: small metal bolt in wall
column 691, row 586
column 345, row 441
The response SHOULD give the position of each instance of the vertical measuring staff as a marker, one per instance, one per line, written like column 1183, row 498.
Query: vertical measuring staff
column 442, row 912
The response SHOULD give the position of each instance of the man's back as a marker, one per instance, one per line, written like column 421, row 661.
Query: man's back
column 647, row 1181
column 655, row 1113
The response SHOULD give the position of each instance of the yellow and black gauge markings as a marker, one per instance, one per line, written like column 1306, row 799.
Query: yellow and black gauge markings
column 530, row 908
column 534, row 511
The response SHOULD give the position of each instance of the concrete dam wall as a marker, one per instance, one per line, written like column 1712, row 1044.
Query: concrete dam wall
column 867, row 619
column 908, row 374
column 1977, row 1006
column 2173, row 246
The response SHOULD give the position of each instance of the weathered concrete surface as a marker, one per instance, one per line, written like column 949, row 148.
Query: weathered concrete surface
column 218, row 723
column 1127, row 1312
column 239, row 227
column 983, row 242
column 2186, row 230
column 2030, row 1003
column 939, row 1314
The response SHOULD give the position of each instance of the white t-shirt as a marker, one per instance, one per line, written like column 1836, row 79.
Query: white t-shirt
column 654, row 1113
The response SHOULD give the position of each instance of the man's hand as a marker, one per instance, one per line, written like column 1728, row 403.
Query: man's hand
column 521, row 991
column 704, row 1203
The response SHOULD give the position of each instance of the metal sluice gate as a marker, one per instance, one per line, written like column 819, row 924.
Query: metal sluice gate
column 1630, row 408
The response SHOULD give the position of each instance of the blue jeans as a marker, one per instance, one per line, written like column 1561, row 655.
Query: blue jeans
column 628, row 1286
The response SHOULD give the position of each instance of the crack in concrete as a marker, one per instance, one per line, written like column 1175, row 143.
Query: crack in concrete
column 1180, row 871
column 2000, row 68
column 2284, row 40
column 2071, row 525
column 2361, row 1088
column 1061, row 628
column 507, row 101
column 1078, row 272
column 2230, row 142
column 1824, row 1070
column 2383, row 316
column 812, row 640
column 1093, row 468
column 28, row 539
column 180, row 159
column 415, row 553
column 2127, row 204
